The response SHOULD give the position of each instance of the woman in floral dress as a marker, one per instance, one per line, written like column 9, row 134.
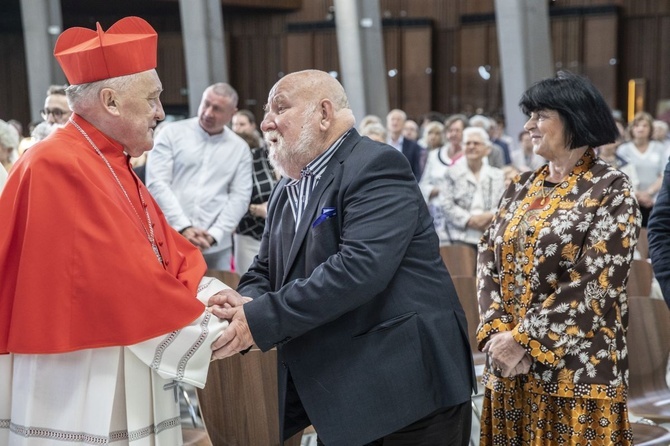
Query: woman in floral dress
column 552, row 272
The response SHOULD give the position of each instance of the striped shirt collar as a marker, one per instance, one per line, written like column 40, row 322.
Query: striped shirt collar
column 299, row 190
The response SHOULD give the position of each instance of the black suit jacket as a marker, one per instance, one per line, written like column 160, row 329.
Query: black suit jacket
column 658, row 234
column 412, row 151
column 368, row 328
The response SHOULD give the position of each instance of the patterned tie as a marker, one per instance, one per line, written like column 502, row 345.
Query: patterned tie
column 306, row 172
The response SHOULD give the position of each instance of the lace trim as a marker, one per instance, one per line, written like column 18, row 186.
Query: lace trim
column 86, row 438
column 169, row 339
column 204, row 332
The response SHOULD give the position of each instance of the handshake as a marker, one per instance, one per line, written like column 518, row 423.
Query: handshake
column 228, row 304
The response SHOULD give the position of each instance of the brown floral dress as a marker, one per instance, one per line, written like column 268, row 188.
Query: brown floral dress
column 552, row 269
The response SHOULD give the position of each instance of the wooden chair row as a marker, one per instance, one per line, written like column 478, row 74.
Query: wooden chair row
column 648, row 353
column 239, row 404
column 460, row 260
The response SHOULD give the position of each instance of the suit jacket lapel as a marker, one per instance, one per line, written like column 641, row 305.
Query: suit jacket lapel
column 310, row 213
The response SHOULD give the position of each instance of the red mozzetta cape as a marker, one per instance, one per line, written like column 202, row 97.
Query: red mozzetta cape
column 77, row 270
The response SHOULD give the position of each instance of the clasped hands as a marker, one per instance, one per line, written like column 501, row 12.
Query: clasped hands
column 507, row 358
column 228, row 304
column 198, row 237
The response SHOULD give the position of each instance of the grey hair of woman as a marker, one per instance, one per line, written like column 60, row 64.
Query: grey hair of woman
column 483, row 134
column 9, row 136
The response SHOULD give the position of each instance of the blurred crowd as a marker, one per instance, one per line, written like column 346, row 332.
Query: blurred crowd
column 462, row 164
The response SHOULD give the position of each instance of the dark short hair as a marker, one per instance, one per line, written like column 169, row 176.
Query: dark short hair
column 249, row 114
column 455, row 118
column 56, row 89
column 585, row 115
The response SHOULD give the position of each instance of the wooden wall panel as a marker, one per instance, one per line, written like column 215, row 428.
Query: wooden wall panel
column 261, row 48
column 566, row 43
column 416, row 77
column 390, row 8
column 325, row 56
column 171, row 70
column 392, row 51
column 256, row 55
column 446, row 78
column 299, row 51
column 273, row 4
column 477, row 6
column 311, row 11
column 14, row 102
column 251, row 80
column 473, row 53
column 641, row 56
column 600, row 48
column 426, row 8
column 663, row 91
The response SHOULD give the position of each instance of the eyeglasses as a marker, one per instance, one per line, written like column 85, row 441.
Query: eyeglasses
column 56, row 112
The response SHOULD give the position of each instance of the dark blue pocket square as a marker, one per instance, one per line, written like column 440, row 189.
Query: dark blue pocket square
column 326, row 213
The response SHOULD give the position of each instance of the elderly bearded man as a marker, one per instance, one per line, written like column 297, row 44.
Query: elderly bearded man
column 349, row 285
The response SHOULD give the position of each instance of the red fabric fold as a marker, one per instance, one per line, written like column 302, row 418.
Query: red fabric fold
column 77, row 270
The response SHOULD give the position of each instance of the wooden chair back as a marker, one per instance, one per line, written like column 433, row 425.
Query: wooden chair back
column 461, row 260
column 642, row 246
column 650, row 434
column 648, row 352
column 230, row 278
column 640, row 278
column 239, row 403
column 466, row 289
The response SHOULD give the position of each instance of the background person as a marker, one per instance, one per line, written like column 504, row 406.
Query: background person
column 56, row 108
column 471, row 191
column 200, row 173
column 647, row 157
column 438, row 161
column 659, row 236
column 552, row 272
column 9, row 144
column 375, row 132
column 247, row 237
column 348, row 239
column 525, row 159
column 395, row 122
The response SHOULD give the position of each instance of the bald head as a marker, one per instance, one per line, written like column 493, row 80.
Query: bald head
column 306, row 113
column 316, row 85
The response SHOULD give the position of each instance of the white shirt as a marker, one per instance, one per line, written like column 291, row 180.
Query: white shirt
column 649, row 164
column 437, row 163
column 396, row 144
column 3, row 177
column 201, row 180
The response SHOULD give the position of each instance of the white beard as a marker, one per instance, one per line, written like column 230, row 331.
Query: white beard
column 290, row 160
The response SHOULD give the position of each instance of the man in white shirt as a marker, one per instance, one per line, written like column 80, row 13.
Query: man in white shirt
column 200, row 174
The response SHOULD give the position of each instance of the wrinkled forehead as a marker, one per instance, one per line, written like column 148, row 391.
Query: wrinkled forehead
column 285, row 89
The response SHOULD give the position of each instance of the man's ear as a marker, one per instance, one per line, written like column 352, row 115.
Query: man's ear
column 110, row 101
column 326, row 114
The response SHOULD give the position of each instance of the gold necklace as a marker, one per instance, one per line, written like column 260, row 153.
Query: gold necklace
column 150, row 232
column 545, row 194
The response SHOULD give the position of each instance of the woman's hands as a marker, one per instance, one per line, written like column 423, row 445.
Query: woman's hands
column 507, row 357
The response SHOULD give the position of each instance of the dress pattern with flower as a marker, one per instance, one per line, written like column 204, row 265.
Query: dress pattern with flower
column 553, row 269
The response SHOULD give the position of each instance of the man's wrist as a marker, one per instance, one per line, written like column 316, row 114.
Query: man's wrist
column 185, row 229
